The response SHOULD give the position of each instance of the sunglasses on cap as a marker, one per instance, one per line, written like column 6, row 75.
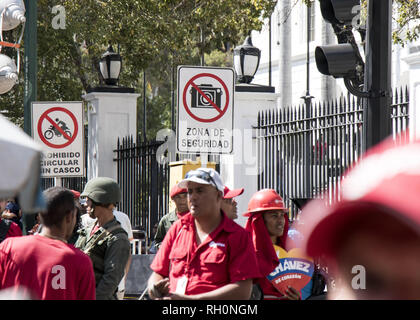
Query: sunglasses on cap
column 204, row 175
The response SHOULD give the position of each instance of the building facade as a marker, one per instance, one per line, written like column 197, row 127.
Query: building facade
column 289, row 55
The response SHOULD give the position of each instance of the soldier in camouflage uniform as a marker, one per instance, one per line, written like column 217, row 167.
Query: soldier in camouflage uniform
column 105, row 242
column 179, row 197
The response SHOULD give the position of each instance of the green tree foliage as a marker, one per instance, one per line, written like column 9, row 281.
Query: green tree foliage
column 407, row 19
column 405, row 16
column 152, row 35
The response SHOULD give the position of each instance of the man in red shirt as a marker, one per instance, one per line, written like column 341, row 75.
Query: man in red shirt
column 205, row 255
column 45, row 266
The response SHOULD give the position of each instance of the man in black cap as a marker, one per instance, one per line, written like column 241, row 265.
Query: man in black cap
column 12, row 212
column 8, row 228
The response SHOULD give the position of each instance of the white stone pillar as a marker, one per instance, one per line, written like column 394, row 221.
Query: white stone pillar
column 240, row 170
column 413, row 61
column 111, row 115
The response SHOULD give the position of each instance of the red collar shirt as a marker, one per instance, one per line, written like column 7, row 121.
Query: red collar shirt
column 225, row 256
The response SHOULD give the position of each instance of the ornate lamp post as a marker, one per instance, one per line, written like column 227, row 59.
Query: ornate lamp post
column 110, row 66
column 246, row 59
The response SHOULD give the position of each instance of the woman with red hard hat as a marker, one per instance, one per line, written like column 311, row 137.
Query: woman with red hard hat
column 268, row 224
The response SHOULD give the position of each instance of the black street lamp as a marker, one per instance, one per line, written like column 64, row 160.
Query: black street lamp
column 110, row 66
column 246, row 59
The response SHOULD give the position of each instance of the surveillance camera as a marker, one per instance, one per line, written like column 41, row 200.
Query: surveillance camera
column 8, row 74
column 13, row 13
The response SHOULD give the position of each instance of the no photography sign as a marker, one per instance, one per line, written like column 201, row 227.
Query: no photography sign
column 205, row 109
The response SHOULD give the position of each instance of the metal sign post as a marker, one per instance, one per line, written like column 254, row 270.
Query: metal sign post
column 30, row 61
column 377, row 121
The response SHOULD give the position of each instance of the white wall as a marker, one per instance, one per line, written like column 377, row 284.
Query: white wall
column 110, row 116
column 240, row 170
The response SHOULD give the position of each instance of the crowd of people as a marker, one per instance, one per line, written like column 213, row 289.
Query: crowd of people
column 78, row 250
column 80, row 246
column 204, row 254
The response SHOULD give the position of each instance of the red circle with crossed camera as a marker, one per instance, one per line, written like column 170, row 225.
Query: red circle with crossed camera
column 191, row 83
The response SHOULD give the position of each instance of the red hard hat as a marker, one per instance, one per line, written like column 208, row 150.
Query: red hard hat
column 266, row 199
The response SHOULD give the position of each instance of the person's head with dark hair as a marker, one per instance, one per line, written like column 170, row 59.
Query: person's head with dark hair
column 13, row 207
column 75, row 234
column 60, row 214
column 78, row 214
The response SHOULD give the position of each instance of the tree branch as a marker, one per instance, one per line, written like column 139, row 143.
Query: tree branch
column 77, row 59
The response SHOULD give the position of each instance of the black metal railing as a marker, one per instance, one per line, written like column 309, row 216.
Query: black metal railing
column 305, row 156
column 74, row 183
column 144, row 182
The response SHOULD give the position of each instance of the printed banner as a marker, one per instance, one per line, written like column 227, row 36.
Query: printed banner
column 294, row 270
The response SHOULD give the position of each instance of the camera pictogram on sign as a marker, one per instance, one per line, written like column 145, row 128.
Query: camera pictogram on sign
column 205, row 109
column 199, row 100
column 205, row 101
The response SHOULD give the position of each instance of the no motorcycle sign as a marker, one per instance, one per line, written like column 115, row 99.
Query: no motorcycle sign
column 57, row 134
column 58, row 127
column 205, row 109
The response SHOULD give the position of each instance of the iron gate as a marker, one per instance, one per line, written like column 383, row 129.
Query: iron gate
column 303, row 156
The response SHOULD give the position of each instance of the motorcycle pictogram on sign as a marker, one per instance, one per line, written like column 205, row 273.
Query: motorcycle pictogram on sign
column 57, row 127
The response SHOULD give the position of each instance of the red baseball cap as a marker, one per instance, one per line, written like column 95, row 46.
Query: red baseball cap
column 229, row 194
column 76, row 194
column 177, row 190
column 385, row 182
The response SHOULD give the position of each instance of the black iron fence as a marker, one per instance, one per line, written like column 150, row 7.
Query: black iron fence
column 74, row 183
column 303, row 155
column 144, row 182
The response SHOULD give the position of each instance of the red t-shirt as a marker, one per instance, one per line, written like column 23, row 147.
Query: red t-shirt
column 225, row 256
column 14, row 230
column 46, row 269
